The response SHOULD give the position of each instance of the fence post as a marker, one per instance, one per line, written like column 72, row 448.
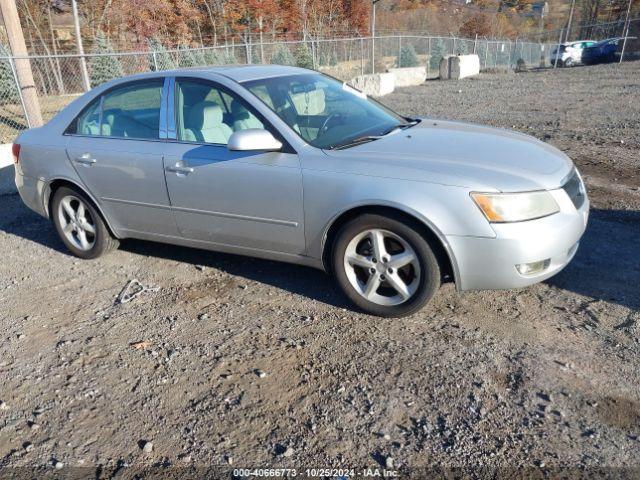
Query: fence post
column 155, row 60
column 555, row 63
column 453, row 48
column 475, row 44
column 399, row 49
column 361, row 56
column 15, row 79
column 486, row 52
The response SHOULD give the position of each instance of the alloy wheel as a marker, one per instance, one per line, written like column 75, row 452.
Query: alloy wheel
column 382, row 267
column 76, row 223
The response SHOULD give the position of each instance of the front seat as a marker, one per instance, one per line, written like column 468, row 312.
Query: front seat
column 204, row 124
column 243, row 119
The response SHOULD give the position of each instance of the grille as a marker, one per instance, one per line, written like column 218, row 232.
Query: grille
column 575, row 190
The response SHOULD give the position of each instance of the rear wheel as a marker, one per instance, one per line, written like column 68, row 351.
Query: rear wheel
column 385, row 266
column 80, row 225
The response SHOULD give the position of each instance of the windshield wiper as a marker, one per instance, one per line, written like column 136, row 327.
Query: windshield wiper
column 371, row 138
column 354, row 142
column 400, row 126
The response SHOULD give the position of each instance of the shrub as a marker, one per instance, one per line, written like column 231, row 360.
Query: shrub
column 461, row 47
column 104, row 67
column 437, row 52
column 283, row 56
column 186, row 57
column 408, row 57
column 159, row 58
column 8, row 87
column 303, row 57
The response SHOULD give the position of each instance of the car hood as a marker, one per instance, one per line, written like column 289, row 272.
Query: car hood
column 463, row 154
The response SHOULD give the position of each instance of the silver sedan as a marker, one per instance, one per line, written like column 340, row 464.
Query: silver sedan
column 289, row 164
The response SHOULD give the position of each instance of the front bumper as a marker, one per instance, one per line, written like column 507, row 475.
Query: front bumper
column 490, row 263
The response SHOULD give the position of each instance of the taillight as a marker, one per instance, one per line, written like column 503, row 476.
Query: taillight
column 15, row 150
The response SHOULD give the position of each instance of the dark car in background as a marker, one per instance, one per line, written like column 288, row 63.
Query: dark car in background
column 605, row 51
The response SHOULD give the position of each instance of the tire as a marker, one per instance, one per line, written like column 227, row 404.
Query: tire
column 407, row 260
column 568, row 62
column 72, row 213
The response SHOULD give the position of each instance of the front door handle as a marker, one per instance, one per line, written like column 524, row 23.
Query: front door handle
column 179, row 169
column 85, row 159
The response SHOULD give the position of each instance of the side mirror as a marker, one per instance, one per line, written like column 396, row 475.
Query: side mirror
column 253, row 139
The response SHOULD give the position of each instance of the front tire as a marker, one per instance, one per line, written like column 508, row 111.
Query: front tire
column 79, row 224
column 385, row 266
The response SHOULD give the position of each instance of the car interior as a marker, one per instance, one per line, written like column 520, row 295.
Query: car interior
column 206, row 114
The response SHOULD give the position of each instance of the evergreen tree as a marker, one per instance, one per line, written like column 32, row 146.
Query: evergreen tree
column 199, row 57
column 158, row 56
column 8, row 87
column 437, row 52
column 461, row 47
column 186, row 58
column 283, row 56
column 104, row 67
column 408, row 57
column 304, row 58
column 228, row 58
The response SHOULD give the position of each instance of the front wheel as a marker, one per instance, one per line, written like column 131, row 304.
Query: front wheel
column 385, row 266
column 568, row 62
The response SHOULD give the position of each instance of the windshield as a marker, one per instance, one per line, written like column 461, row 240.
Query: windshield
column 325, row 112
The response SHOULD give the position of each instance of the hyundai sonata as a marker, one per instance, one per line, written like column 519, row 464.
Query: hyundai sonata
column 289, row 164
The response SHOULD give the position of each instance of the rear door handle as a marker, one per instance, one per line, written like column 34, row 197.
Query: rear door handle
column 180, row 170
column 85, row 159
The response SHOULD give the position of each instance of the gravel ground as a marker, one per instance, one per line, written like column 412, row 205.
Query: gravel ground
column 243, row 362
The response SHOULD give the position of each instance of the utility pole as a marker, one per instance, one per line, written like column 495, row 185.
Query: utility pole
column 573, row 4
column 625, row 31
column 373, row 35
column 24, row 75
column 83, row 63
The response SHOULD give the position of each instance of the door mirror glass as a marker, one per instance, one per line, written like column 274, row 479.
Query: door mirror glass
column 253, row 139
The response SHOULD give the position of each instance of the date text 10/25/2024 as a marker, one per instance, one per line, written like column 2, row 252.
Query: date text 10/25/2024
column 336, row 473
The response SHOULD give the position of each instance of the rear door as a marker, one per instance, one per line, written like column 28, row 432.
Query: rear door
column 245, row 199
column 115, row 147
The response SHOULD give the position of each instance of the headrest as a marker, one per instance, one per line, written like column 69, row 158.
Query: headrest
column 309, row 103
column 204, row 115
column 239, row 111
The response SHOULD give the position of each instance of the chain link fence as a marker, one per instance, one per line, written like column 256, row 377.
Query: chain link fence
column 61, row 78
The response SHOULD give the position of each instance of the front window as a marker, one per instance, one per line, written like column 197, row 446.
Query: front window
column 323, row 111
column 207, row 114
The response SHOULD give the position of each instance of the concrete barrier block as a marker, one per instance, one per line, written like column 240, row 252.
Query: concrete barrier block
column 445, row 68
column 376, row 85
column 463, row 66
column 407, row 77
column 7, row 171
column 7, row 180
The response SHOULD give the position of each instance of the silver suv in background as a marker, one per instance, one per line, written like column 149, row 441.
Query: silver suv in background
column 570, row 53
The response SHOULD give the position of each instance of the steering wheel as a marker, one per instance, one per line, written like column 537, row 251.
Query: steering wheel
column 325, row 125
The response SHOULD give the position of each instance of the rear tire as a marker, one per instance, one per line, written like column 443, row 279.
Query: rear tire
column 80, row 225
column 399, row 283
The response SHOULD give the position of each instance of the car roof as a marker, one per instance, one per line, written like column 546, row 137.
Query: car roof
column 238, row 73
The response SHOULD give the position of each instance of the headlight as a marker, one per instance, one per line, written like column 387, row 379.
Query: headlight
column 515, row 207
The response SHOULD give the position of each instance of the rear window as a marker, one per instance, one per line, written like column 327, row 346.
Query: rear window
column 130, row 111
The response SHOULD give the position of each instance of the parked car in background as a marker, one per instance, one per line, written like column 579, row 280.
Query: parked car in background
column 569, row 54
column 605, row 51
column 289, row 164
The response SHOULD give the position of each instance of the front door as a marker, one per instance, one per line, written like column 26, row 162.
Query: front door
column 245, row 199
column 116, row 151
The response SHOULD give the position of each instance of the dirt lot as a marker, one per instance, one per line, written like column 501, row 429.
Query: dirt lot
column 255, row 363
